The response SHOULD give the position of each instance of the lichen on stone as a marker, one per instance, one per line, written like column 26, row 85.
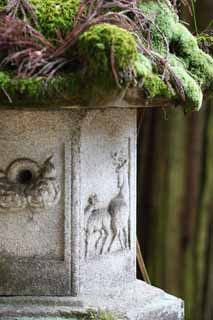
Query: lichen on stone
column 102, row 315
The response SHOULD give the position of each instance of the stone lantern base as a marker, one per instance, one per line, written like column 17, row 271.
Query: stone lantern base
column 68, row 216
column 135, row 301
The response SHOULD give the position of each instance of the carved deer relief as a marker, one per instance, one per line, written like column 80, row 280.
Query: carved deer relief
column 118, row 206
column 111, row 222
column 96, row 220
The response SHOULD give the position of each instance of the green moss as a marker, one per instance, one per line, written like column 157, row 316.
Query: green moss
column 96, row 45
column 143, row 66
column 4, row 79
column 101, row 44
column 2, row 3
column 164, row 19
column 55, row 15
column 87, row 315
column 192, row 90
column 38, row 89
column 205, row 42
column 156, row 87
column 67, row 89
column 102, row 315
column 197, row 62
column 152, row 84
column 192, row 66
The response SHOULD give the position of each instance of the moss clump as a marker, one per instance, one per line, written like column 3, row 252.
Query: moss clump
column 29, row 87
column 193, row 92
column 143, row 66
column 38, row 88
column 106, row 53
column 69, row 89
column 97, row 44
column 152, row 84
column 55, row 15
column 102, row 315
column 2, row 3
column 193, row 67
column 156, row 87
column 164, row 20
column 205, row 42
column 4, row 79
column 197, row 62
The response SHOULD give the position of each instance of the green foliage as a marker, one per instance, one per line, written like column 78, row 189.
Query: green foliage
column 191, row 65
column 97, row 45
column 55, row 15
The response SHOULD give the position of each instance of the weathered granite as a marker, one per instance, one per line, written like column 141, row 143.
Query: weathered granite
column 134, row 301
column 43, row 248
column 68, row 216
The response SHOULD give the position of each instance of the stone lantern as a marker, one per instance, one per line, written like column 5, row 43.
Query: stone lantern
column 68, row 151
column 68, row 215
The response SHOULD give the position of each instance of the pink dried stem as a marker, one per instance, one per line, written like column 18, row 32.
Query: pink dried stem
column 17, row 8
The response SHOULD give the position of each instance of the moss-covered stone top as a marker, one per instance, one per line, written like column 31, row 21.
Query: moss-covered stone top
column 81, row 52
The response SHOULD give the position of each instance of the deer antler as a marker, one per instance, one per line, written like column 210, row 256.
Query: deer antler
column 119, row 159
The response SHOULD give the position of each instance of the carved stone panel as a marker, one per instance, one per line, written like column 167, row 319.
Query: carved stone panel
column 67, row 200
column 107, row 225
column 27, row 185
column 35, row 202
column 108, row 197
column 32, row 201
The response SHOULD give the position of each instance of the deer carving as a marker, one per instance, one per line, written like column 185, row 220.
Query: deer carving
column 118, row 206
column 96, row 220
column 112, row 222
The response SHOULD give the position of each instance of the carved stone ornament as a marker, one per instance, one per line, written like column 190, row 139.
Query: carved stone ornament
column 111, row 222
column 26, row 185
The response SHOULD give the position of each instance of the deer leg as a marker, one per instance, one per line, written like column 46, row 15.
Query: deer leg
column 87, row 244
column 120, row 240
column 99, row 239
column 104, row 241
column 114, row 235
column 125, row 237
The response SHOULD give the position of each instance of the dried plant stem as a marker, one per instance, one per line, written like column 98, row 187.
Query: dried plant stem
column 142, row 264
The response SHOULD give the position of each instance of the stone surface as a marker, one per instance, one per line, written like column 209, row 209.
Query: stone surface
column 68, row 217
column 134, row 301
column 53, row 241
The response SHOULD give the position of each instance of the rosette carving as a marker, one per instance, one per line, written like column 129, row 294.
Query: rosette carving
column 26, row 185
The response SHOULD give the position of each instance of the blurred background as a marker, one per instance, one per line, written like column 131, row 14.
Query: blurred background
column 175, row 197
